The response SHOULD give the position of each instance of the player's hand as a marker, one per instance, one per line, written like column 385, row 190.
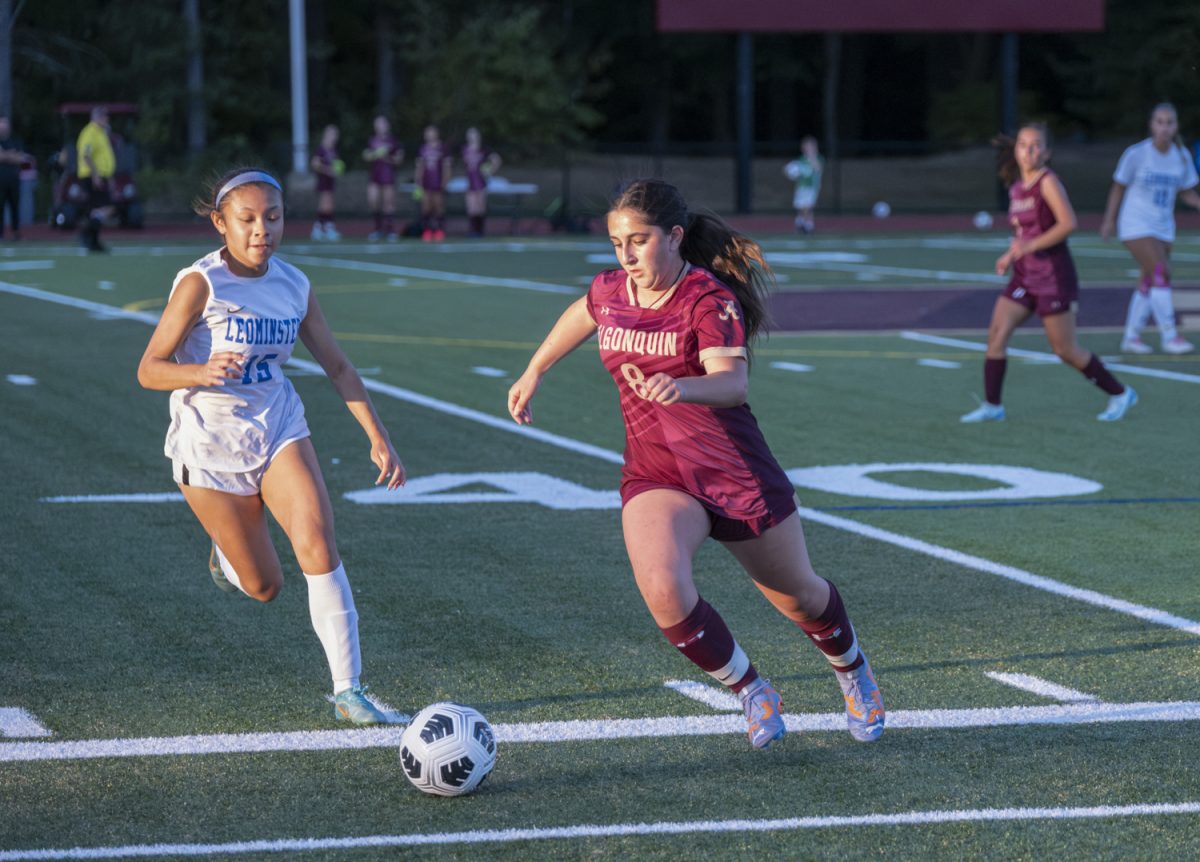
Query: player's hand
column 1003, row 262
column 221, row 366
column 662, row 389
column 519, row 396
column 390, row 469
column 1107, row 229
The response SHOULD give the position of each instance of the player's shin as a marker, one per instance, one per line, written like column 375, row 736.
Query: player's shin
column 704, row 640
column 335, row 620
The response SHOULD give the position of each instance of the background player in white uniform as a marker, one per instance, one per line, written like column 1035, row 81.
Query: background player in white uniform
column 238, row 439
column 805, row 172
column 1148, row 178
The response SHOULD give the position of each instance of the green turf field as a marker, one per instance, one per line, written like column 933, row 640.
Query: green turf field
column 1039, row 653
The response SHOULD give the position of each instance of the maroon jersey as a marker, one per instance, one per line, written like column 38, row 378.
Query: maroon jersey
column 382, row 171
column 715, row 454
column 430, row 157
column 473, row 162
column 326, row 156
column 1050, row 270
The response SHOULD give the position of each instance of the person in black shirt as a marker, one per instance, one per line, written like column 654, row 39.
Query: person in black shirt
column 11, row 157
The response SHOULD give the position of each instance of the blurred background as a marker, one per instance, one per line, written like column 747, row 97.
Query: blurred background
column 578, row 94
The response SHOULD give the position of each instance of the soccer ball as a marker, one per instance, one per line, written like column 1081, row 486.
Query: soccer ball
column 881, row 209
column 983, row 220
column 448, row 749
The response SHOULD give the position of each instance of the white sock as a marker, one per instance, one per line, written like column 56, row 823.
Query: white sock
column 227, row 569
column 334, row 619
column 1164, row 312
column 1137, row 316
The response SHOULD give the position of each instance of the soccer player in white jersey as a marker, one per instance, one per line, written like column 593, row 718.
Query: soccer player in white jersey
column 238, row 439
column 1149, row 177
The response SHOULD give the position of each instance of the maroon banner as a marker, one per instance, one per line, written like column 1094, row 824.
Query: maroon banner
column 879, row 16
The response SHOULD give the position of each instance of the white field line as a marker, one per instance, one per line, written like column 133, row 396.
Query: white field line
column 1148, row 614
column 13, row 265
column 1049, row 357
column 1037, row 685
column 430, row 274
column 901, row 271
column 587, row 730
column 717, row 698
column 612, row 830
column 1021, row 576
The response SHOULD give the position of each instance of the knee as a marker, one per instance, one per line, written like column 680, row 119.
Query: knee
column 314, row 548
column 264, row 592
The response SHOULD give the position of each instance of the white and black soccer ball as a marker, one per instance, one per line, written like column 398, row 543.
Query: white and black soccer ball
column 448, row 749
column 881, row 209
column 983, row 220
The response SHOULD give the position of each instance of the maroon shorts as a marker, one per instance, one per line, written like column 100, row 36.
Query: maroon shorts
column 1045, row 304
column 325, row 183
column 723, row 528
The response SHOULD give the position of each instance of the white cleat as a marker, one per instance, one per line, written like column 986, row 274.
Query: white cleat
column 1177, row 346
column 1136, row 345
column 1118, row 404
column 985, row 412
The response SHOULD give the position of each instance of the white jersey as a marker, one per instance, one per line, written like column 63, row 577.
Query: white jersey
column 235, row 428
column 1152, row 180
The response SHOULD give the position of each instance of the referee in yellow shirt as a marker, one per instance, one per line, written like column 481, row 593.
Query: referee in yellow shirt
column 96, row 165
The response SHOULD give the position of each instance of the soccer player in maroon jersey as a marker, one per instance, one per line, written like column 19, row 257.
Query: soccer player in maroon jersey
column 674, row 325
column 383, row 155
column 1043, row 279
column 431, row 172
column 479, row 163
column 327, row 166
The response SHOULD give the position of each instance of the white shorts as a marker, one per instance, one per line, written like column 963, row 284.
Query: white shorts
column 804, row 199
column 246, row 484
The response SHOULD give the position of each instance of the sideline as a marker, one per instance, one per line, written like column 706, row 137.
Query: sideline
column 613, row 830
column 592, row 730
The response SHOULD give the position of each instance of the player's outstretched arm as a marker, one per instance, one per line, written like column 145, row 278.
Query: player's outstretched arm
column 574, row 327
column 1108, row 224
column 159, row 370
column 318, row 338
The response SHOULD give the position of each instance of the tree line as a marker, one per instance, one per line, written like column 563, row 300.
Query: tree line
column 211, row 77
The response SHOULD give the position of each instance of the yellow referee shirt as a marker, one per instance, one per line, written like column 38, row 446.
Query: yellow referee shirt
column 93, row 142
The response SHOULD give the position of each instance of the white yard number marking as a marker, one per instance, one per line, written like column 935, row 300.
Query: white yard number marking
column 1021, row 483
column 16, row 722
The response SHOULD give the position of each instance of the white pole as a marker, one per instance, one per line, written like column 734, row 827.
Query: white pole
column 299, row 87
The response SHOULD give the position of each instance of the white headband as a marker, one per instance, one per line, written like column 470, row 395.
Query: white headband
column 241, row 180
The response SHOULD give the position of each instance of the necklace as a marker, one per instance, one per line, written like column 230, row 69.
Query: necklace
column 662, row 294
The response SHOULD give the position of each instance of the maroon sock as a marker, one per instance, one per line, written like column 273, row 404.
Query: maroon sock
column 379, row 222
column 833, row 635
column 1101, row 376
column 388, row 224
column 993, row 379
column 324, row 218
column 706, row 642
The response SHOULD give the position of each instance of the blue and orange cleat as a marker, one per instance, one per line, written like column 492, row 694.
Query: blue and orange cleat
column 354, row 706
column 218, row 577
column 762, row 703
column 864, row 704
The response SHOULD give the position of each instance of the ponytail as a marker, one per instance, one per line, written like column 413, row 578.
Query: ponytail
column 708, row 242
column 1006, row 158
column 736, row 260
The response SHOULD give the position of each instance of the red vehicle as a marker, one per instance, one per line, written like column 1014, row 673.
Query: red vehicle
column 70, row 200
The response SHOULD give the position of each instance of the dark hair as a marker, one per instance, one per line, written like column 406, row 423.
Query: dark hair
column 206, row 204
column 1006, row 155
column 708, row 242
column 1178, row 140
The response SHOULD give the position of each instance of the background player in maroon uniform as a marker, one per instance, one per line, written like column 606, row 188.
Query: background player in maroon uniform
column 479, row 163
column 1043, row 279
column 383, row 155
column 327, row 166
column 432, row 170
column 674, row 335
